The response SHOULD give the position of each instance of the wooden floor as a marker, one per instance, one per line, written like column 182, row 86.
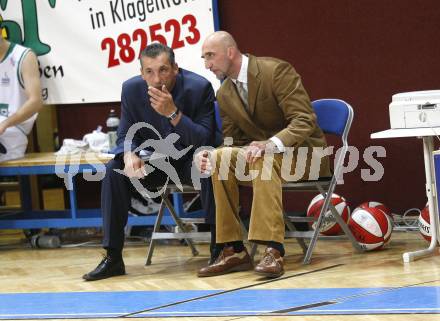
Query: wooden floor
column 24, row 270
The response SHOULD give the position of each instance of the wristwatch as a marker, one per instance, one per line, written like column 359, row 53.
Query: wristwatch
column 173, row 115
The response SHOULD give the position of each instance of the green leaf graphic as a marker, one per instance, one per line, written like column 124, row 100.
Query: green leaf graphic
column 3, row 4
column 52, row 3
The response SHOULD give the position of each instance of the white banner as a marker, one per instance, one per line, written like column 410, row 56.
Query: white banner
column 87, row 48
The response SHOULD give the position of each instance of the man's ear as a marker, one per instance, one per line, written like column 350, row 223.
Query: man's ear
column 230, row 52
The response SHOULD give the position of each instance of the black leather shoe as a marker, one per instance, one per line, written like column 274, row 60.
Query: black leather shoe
column 107, row 268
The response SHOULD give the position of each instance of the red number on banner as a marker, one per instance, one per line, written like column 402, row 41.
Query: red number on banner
column 192, row 28
column 109, row 42
column 126, row 53
column 175, row 25
column 156, row 37
column 124, row 41
column 142, row 34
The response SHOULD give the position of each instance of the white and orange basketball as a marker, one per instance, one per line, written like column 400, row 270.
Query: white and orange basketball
column 424, row 224
column 329, row 225
column 371, row 227
column 378, row 205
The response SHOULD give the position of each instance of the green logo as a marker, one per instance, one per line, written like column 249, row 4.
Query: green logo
column 4, row 110
column 30, row 37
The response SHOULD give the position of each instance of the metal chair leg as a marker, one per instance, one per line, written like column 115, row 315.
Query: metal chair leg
column 292, row 228
column 345, row 228
column 314, row 238
column 179, row 223
column 156, row 228
column 342, row 224
column 254, row 247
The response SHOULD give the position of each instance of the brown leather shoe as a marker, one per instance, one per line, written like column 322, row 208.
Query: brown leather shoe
column 228, row 261
column 271, row 265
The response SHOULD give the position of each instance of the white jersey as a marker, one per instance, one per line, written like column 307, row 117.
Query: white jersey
column 12, row 97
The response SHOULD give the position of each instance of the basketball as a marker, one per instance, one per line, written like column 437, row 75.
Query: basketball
column 424, row 224
column 371, row 227
column 378, row 205
column 329, row 225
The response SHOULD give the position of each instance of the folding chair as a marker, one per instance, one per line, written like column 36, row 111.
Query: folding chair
column 334, row 117
column 179, row 215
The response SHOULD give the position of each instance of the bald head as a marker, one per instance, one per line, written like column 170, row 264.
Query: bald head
column 221, row 55
column 222, row 38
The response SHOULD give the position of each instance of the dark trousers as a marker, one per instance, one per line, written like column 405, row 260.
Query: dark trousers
column 116, row 194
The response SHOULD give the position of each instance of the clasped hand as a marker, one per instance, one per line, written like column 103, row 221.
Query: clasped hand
column 203, row 162
column 134, row 166
column 161, row 100
column 255, row 150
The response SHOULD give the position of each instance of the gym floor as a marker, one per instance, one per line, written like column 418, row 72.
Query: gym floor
column 339, row 284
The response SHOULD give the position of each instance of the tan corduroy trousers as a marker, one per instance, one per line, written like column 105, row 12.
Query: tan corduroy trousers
column 230, row 171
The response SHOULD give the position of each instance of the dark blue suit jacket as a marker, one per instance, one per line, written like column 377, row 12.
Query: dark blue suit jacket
column 194, row 97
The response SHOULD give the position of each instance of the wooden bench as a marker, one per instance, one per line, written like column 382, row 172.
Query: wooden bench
column 90, row 165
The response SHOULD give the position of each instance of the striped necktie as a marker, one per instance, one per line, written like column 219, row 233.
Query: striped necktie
column 243, row 93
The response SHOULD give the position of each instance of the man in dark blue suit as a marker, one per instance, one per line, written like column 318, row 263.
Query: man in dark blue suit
column 164, row 102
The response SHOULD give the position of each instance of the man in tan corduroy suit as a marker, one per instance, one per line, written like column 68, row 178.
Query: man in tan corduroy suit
column 267, row 112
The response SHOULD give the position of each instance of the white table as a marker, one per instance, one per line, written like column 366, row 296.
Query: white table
column 426, row 134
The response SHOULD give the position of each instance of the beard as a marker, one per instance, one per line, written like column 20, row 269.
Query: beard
column 220, row 76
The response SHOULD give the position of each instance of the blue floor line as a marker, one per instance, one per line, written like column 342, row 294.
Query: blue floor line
column 247, row 302
column 357, row 301
column 400, row 300
column 254, row 302
column 244, row 302
column 86, row 304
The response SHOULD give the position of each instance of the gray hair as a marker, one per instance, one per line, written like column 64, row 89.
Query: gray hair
column 156, row 49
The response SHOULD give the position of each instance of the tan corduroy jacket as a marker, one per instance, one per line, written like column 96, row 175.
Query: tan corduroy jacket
column 278, row 106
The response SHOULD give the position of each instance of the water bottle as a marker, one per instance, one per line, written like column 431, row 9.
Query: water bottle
column 112, row 124
column 45, row 241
